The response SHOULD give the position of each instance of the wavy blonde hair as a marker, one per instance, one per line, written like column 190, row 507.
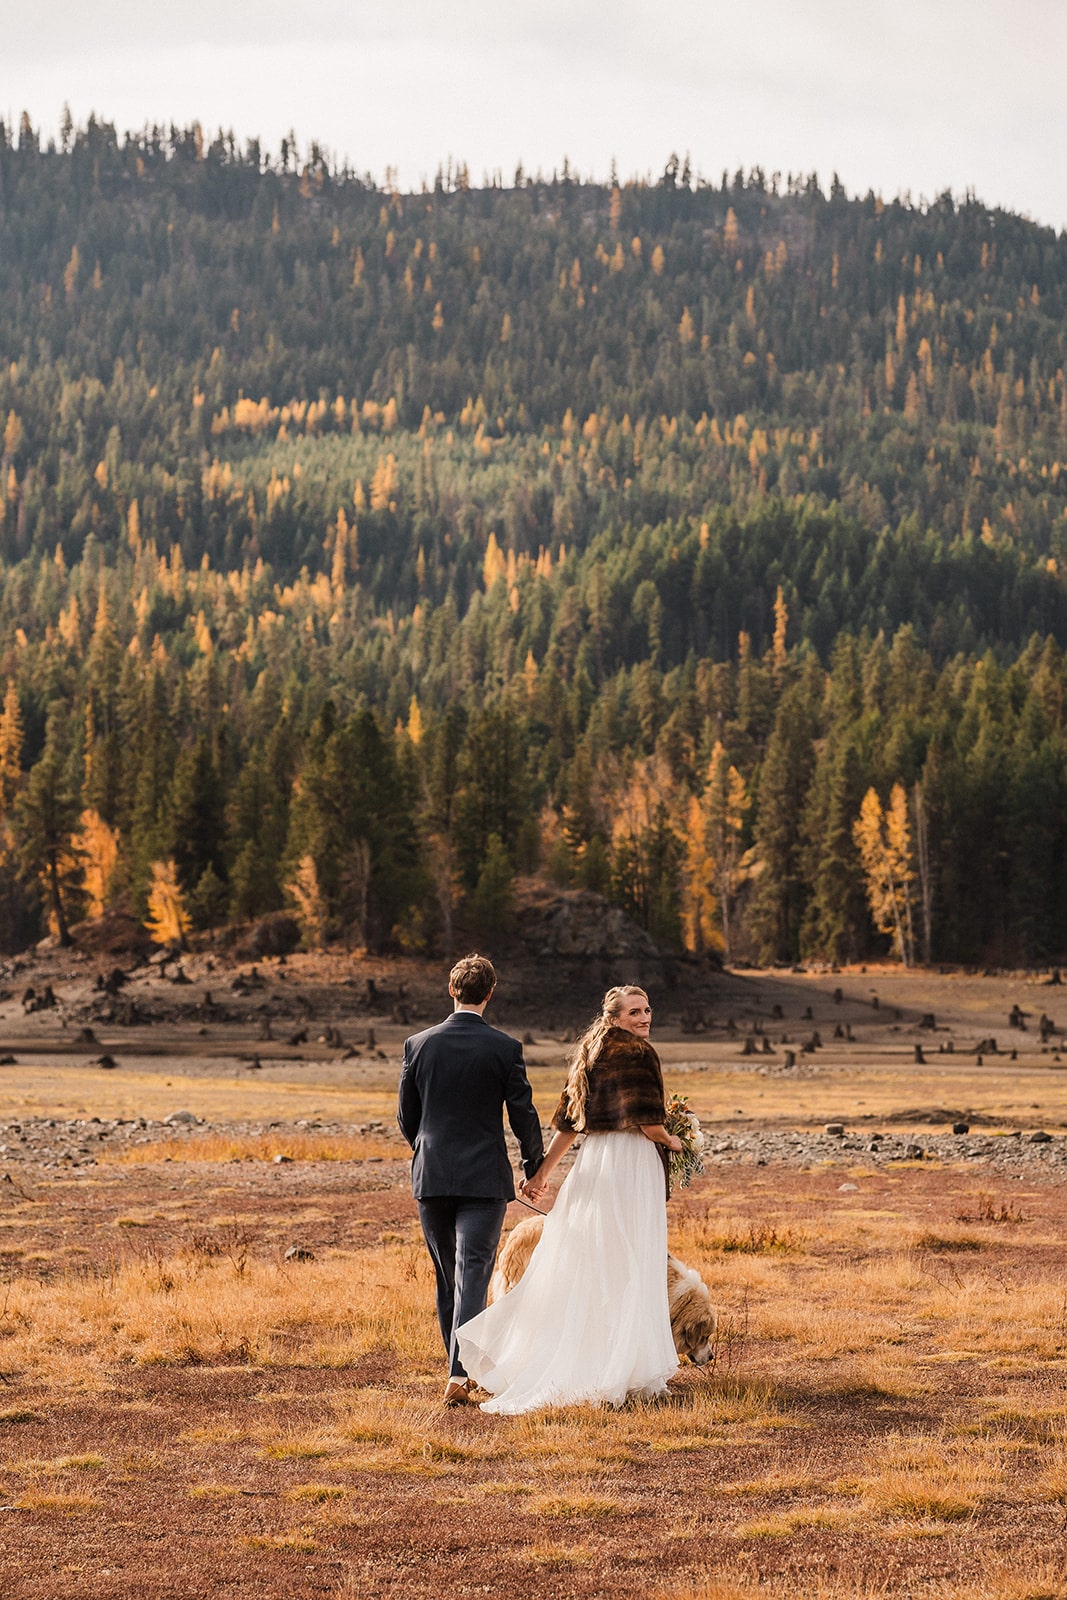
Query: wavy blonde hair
column 588, row 1048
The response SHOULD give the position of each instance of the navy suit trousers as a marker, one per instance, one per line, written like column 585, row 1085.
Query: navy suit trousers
column 462, row 1236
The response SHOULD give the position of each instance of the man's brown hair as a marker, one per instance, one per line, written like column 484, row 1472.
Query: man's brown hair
column 472, row 980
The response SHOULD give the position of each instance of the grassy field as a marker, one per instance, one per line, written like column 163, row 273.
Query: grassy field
column 184, row 1412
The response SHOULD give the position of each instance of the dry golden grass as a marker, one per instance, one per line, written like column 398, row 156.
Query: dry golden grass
column 927, row 1478
column 1002, row 1580
column 558, row 1556
column 300, row 1539
column 217, row 1147
column 576, row 1505
column 316, row 1492
column 823, row 1426
column 190, row 1308
column 150, row 1089
column 59, row 1502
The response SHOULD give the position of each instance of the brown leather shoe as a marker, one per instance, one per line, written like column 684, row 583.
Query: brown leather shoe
column 457, row 1392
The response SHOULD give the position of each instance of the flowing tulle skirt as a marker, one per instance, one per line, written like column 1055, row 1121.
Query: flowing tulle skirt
column 588, row 1321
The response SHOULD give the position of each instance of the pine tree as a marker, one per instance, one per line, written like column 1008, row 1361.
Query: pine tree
column 45, row 815
column 724, row 808
column 836, row 917
column 490, row 905
column 781, row 890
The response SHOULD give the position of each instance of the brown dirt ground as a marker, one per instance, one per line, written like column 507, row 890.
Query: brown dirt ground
column 455, row 1531
column 471, row 1522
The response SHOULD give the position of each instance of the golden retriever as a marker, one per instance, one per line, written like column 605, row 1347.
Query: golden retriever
column 693, row 1317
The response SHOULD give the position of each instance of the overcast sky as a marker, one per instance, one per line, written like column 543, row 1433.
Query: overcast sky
column 895, row 95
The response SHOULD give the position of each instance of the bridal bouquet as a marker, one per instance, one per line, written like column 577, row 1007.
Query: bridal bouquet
column 686, row 1163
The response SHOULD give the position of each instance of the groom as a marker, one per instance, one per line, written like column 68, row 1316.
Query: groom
column 454, row 1084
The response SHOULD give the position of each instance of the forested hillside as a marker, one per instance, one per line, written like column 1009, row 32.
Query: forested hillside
column 703, row 545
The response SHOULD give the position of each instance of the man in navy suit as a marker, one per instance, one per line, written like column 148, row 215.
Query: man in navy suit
column 455, row 1082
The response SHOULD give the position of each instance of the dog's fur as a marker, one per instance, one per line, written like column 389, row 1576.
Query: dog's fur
column 693, row 1317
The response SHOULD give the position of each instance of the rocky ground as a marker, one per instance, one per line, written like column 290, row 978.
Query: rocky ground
column 52, row 1143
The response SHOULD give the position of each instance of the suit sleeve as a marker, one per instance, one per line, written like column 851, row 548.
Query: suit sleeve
column 409, row 1103
column 525, row 1123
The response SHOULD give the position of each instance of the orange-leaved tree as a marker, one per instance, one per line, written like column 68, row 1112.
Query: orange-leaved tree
column 883, row 839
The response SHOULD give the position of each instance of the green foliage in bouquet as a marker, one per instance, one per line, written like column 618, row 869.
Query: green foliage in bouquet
column 685, row 1164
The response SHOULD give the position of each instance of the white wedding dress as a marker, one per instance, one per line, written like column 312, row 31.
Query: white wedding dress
column 588, row 1321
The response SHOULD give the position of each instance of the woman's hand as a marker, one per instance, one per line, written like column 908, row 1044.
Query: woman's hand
column 659, row 1135
column 532, row 1188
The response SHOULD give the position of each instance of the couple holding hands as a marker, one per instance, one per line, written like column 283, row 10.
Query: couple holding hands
column 589, row 1320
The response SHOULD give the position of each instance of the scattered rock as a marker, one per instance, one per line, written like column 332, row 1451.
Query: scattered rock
column 577, row 922
column 110, row 982
column 1039, row 1136
column 282, row 1160
column 914, row 1152
column 848, row 1188
column 299, row 1252
column 107, row 1062
column 275, row 935
column 837, row 1129
column 176, row 1118
column 961, row 1127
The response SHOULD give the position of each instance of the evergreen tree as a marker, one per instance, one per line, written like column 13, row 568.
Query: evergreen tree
column 781, row 891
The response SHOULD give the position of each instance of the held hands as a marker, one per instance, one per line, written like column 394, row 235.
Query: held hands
column 533, row 1188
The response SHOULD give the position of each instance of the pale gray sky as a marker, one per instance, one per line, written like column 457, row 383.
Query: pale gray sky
column 896, row 95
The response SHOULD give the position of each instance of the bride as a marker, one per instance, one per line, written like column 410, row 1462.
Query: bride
column 589, row 1321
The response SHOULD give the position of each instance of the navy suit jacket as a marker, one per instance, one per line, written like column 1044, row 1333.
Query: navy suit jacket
column 456, row 1080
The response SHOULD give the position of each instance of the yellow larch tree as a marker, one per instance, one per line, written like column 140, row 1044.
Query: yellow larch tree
column 308, row 903
column 494, row 564
column 97, row 846
column 725, row 804
column 699, row 904
column 883, row 839
column 614, row 209
column 781, row 623
column 70, row 274
column 11, row 737
column 12, row 436
column 167, row 920
column 384, row 483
